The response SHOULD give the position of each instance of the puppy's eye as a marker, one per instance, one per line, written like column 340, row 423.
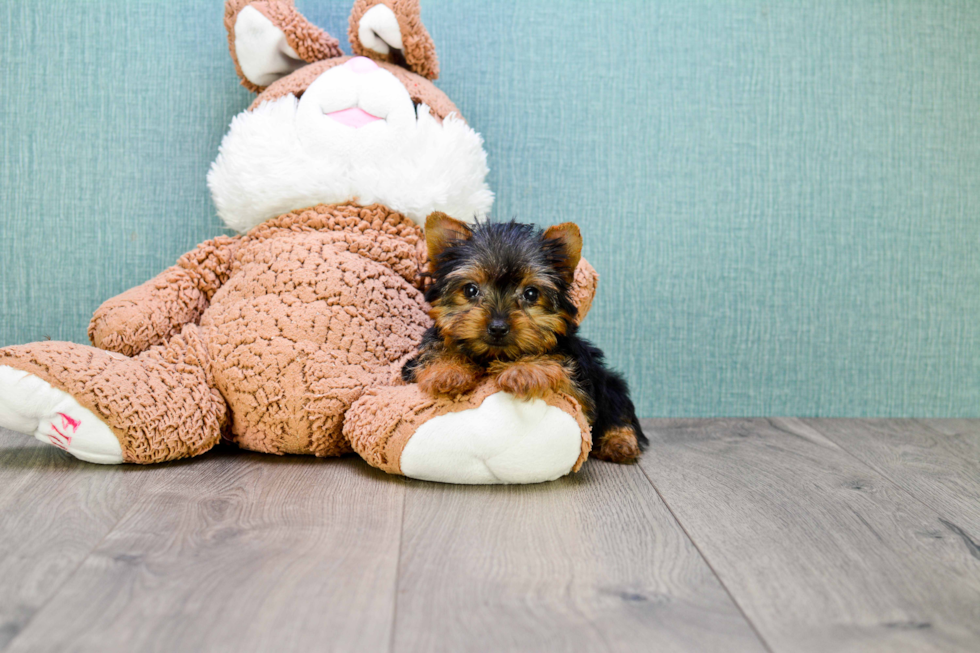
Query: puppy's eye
column 530, row 295
column 470, row 290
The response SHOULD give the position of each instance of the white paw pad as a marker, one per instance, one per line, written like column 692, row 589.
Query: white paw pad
column 503, row 440
column 30, row 405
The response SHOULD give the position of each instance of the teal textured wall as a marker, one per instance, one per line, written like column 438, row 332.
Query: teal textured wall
column 783, row 197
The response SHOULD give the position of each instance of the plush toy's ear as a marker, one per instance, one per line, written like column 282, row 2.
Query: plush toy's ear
column 392, row 31
column 441, row 231
column 569, row 239
column 269, row 39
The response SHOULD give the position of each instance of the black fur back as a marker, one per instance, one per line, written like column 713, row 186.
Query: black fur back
column 612, row 406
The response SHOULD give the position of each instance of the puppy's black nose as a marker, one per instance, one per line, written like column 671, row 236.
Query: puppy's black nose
column 498, row 328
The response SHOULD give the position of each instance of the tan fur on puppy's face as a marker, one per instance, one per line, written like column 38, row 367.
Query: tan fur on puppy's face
column 534, row 325
column 500, row 290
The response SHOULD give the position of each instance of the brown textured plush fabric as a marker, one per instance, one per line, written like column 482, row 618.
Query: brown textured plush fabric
column 295, row 319
column 151, row 313
column 309, row 41
column 380, row 423
column 584, row 285
column 267, row 338
column 417, row 46
column 419, row 88
column 319, row 305
column 162, row 405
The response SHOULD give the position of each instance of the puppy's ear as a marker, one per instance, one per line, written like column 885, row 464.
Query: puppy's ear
column 567, row 241
column 269, row 39
column 392, row 31
column 441, row 231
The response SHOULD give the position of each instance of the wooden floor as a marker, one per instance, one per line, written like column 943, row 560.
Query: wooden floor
column 731, row 535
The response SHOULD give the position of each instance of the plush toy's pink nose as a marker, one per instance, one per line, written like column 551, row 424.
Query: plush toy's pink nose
column 361, row 65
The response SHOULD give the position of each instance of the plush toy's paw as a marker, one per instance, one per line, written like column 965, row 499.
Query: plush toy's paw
column 30, row 405
column 503, row 440
column 485, row 437
column 530, row 379
column 446, row 378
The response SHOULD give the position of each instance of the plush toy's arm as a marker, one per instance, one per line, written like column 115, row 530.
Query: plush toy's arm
column 583, row 288
column 150, row 313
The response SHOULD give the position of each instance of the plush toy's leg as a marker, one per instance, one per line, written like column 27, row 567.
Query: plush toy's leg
column 160, row 405
column 484, row 437
column 271, row 420
column 332, row 388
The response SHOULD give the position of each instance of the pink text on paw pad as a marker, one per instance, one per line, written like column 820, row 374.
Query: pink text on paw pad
column 68, row 422
column 59, row 439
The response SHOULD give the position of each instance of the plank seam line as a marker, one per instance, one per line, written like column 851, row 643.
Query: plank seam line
column 707, row 562
column 936, row 509
column 398, row 570
column 74, row 571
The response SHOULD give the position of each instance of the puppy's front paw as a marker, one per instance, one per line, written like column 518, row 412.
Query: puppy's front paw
column 531, row 380
column 446, row 378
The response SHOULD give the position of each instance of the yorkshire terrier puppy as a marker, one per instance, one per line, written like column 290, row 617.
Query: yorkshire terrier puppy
column 501, row 305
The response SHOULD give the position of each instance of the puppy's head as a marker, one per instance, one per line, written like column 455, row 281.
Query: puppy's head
column 501, row 290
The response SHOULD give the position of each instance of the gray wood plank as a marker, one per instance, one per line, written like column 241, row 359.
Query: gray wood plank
column 54, row 510
column 821, row 552
column 593, row 562
column 238, row 552
column 936, row 460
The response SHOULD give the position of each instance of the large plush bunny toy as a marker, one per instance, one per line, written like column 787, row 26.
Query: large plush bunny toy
column 289, row 337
